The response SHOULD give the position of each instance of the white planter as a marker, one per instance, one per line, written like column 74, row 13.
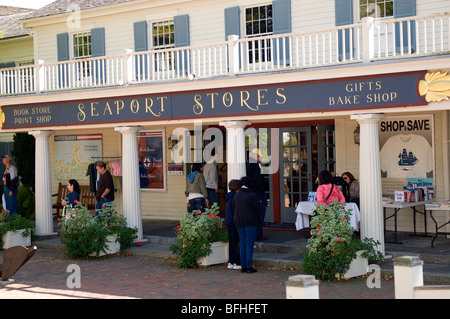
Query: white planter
column 11, row 239
column 358, row 266
column 219, row 255
column 112, row 247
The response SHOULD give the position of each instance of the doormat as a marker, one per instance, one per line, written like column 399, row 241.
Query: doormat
column 279, row 226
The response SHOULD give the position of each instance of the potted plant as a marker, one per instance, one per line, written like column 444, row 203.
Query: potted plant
column 87, row 235
column 333, row 246
column 197, row 236
column 15, row 230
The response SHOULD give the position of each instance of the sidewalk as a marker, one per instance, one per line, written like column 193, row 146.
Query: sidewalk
column 149, row 271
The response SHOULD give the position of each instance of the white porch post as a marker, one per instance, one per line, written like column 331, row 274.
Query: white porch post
column 43, row 185
column 371, row 205
column 235, row 148
column 130, row 178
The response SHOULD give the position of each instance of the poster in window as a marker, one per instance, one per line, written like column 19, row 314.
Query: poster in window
column 74, row 153
column 151, row 159
column 406, row 147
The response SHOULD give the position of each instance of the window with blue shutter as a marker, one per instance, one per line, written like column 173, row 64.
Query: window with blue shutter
column 344, row 16
column 281, row 17
column 98, row 50
column 405, row 8
column 62, row 43
column 140, row 44
column 181, row 38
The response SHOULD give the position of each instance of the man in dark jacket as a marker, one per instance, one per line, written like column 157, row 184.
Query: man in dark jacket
column 105, row 189
column 246, row 208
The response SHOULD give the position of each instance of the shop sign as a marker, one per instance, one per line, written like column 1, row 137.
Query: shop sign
column 355, row 93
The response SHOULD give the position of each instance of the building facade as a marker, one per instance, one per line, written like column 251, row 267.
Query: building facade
column 148, row 85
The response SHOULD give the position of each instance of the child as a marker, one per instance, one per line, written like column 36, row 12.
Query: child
column 233, row 237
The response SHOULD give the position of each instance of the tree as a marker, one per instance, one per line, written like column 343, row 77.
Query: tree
column 24, row 158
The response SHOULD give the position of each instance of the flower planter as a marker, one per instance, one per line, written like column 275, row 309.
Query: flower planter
column 11, row 239
column 112, row 247
column 358, row 266
column 218, row 255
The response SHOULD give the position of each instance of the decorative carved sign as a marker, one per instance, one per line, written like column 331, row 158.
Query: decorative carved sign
column 435, row 87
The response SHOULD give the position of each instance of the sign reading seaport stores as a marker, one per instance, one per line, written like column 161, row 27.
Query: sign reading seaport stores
column 308, row 96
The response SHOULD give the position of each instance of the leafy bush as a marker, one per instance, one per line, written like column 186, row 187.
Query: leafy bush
column 83, row 234
column 333, row 245
column 13, row 223
column 195, row 234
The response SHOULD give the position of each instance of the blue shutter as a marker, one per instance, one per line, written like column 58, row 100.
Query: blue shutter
column 140, row 36
column 62, row 43
column 232, row 22
column 405, row 8
column 281, row 17
column 344, row 16
column 181, row 38
column 140, row 44
column 98, row 50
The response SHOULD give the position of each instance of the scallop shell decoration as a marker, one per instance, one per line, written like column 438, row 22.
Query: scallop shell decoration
column 435, row 86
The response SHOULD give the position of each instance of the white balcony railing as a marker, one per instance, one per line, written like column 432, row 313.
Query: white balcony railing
column 370, row 40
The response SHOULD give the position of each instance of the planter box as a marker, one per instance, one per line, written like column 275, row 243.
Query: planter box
column 219, row 255
column 112, row 247
column 358, row 266
column 11, row 239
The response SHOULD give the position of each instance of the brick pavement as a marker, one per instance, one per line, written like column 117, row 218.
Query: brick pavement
column 130, row 276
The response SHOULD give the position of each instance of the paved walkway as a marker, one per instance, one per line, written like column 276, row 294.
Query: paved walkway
column 150, row 272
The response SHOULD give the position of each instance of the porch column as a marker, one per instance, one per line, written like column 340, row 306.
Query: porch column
column 43, row 184
column 235, row 148
column 131, row 189
column 370, row 194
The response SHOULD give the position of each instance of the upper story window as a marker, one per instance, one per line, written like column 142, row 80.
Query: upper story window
column 82, row 45
column 258, row 21
column 376, row 8
column 163, row 34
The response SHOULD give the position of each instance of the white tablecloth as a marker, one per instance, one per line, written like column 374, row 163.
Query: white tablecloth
column 305, row 209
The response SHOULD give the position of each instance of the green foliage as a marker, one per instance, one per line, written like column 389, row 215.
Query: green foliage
column 23, row 153
column 83, row 234
column 14, row 223
column 195, row 234
column 332, row 245
column 26, row 201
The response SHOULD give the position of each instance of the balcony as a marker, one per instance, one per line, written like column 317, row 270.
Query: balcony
column 365, row 42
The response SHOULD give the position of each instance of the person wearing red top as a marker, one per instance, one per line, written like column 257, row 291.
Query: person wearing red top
column 327, row 192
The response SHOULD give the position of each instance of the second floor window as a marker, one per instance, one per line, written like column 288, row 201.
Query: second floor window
column 82, row 45
column 163, row 34
column 258, row 22
column 376, row 8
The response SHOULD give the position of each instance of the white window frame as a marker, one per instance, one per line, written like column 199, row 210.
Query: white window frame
column 163, row 60
column 84, row 68
column 247, row 36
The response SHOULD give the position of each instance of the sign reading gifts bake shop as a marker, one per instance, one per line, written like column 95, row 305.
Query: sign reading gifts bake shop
column 357, row 93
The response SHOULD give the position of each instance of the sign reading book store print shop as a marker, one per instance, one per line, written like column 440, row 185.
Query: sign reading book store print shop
column 151, row 159
column 407, row 151
column 357, row 93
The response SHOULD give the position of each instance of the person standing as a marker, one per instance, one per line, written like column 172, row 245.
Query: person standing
column 327, row 192
column 254, row 173
column 105, row 188
column 11, row 184
column 246, row 207
column 212, row 179
column 196, row 193
column 234, row 261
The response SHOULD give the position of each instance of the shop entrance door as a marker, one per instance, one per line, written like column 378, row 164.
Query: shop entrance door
column 295, row 170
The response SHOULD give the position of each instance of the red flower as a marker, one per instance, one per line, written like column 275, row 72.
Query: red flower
column 215, row 216
column 139, row 243
column 107, row 227
column 343, row 218
column 75, row 201
column 209, row 215
column 319, row 228
column 3, row 210
column 74, row 221
column 340, row 240
column 59, row 218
